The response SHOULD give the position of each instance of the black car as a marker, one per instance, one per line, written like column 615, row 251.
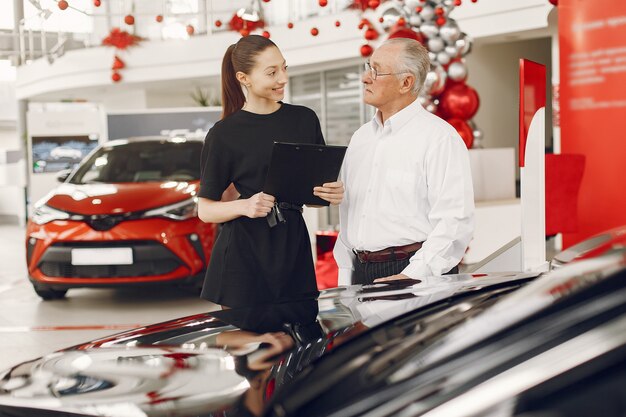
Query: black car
column 233, row 362
column 556, row 347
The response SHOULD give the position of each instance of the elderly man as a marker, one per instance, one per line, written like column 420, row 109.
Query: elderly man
column 408, row 208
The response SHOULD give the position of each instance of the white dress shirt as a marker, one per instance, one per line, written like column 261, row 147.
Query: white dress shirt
column 407, row 180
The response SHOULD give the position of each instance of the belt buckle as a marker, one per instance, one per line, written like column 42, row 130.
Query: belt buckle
column 361, row 255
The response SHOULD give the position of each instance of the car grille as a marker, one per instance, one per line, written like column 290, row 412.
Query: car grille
column 104, row 222
column 149, row 259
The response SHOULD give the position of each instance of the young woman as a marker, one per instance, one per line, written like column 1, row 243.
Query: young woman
column 252, row 262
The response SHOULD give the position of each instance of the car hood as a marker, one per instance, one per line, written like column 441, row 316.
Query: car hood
column 118, row 198
column 195, row 364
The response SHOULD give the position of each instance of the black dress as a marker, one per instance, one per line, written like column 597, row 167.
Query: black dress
column 252, row 263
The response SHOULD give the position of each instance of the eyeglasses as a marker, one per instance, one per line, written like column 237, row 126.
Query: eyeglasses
column 375, row 74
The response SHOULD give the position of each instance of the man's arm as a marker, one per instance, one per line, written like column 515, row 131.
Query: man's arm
column 451, row 198
column 342, row 251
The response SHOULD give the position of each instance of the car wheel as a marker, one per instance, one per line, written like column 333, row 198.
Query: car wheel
column 48, row 294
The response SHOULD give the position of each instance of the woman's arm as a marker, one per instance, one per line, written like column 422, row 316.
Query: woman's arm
column 211, row 211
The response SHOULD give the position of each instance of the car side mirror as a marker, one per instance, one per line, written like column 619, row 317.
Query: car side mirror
column 63, row 174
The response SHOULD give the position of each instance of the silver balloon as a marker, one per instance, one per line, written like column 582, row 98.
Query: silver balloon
column 457, row 71
column 433, row 58
column 443, row 58
column 436, row 44
column 451, row 50
column 424, row 99
column 464, row 44
column 412, row 4
column 431, row 107
column 450, row 32
column 477, row 133
column 427, row 13
column 390, row 12
column 415, row 20
column 449, row 3
column 435, row 81
column 429, row 29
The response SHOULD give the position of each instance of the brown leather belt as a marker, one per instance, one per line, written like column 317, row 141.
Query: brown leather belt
column 395, row 253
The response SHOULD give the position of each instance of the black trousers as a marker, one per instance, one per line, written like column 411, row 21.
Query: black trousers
column 366, row 273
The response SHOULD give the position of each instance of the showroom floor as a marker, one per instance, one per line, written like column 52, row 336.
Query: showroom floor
column 30, row 327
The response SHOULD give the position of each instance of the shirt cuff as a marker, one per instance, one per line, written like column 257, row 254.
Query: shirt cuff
column 345, row 276
column 417, row 270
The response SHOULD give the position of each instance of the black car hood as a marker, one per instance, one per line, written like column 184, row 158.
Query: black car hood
column 182, row 368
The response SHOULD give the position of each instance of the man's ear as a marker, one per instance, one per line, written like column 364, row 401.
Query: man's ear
column 408, row 83
column 242, row 78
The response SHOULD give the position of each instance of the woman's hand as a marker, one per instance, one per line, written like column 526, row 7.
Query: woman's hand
column 331, row 192
column 259, row 205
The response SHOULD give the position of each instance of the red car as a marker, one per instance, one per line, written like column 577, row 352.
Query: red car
column 126, row 215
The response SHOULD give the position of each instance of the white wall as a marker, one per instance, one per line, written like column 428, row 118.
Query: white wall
column 494, row 73
column 158, row 100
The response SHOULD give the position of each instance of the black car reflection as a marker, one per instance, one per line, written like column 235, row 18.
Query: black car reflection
column 230, row 362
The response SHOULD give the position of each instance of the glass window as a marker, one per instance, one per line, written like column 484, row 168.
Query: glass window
column 336, row 96
column 142, row 162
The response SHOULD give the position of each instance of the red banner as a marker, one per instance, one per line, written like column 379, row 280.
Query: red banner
column 592, row 42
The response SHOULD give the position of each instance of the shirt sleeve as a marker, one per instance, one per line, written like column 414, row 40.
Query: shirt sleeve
column 451, row 200
column 215, row 167
column 342, row 251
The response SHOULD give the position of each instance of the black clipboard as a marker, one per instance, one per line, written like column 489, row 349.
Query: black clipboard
column 295, row 168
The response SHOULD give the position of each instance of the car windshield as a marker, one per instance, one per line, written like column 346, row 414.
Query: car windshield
column 148, row 161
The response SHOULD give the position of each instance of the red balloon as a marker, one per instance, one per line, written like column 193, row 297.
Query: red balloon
column 464, row 129
column 337, row 23
column 159, row 18
column 129, row 19
column 315, row 31
column 459, row 101
column 266, row 34
column 371, row 34
column 554, row 2
column 366, row 50
column 373, row 3
column 406, row 33
column 323, row 3
column 290, row 25
column 116, row 77
column 62, row 4
column 190, row 30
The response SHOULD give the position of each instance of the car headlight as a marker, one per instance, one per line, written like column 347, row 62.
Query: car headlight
column 46, row 214
column 182, row 210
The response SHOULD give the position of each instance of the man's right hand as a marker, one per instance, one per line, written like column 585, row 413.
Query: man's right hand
column 259, row 205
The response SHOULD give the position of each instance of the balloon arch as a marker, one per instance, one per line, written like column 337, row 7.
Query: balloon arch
column 445, row 91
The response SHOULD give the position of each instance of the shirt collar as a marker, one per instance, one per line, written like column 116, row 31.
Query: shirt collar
column 398, row 120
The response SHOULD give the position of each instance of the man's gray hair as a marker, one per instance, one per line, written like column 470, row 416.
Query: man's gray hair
column 414, row 60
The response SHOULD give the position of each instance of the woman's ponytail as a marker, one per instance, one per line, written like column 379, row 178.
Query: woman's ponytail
column 232, row 95
column 239, row 57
